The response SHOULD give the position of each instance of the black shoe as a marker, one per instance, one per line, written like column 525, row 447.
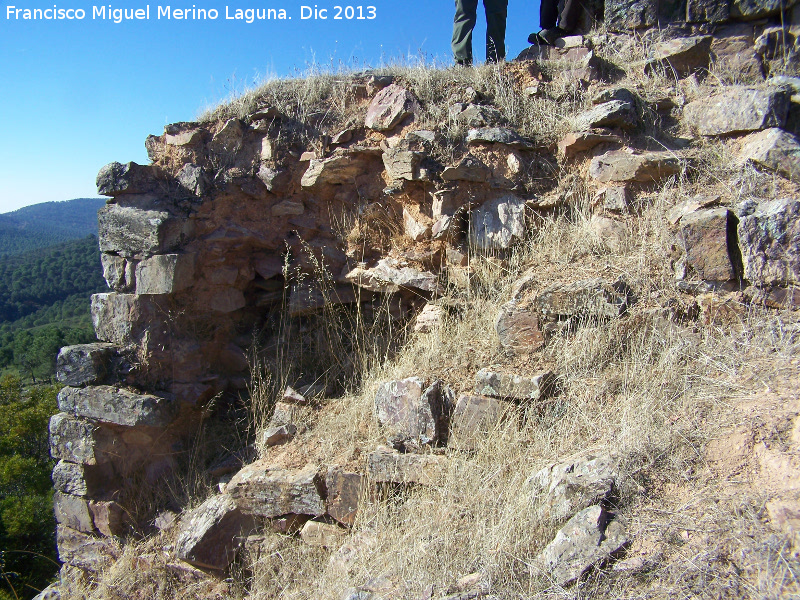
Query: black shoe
column 547, row 37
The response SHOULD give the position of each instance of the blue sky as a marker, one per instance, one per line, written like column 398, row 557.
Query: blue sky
column 77, row 94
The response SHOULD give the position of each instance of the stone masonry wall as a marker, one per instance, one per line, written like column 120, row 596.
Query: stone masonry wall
column 233, row 220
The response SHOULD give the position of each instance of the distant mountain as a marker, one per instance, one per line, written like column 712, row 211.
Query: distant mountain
column 48, row 223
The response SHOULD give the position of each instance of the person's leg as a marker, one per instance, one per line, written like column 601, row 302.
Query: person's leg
column 496, row 15
column 548, row 14
column 568, row 14
column 463, row 24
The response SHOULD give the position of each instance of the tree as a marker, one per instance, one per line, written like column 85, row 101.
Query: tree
column 27, row 525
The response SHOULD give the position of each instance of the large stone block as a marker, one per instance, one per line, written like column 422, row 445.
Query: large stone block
column 322, row 535
column 109, row 517
column 518, row 328
column 592, row 298
column 271, row 492
column 73, row 512
column 411, row 413
column 81, row 441
column 387, row 466
column 615, row 113
column 70, row 478
column 756, row 9
column 85, row 364
column 564, row 489
column 209, row 535
column 499, row 223
column 127, row 231
column 622, row 15
column 738, row 109
column 647, row 167
column 587, row 539
column 339, row 169
column 706, row 237
column 683, row 55
column 122, row 318
column 389, row 107
column 769, row 237
column 165, row 274
column 119, row 406
column 119, row 272
column 474, row 418
column 707, row 11
column 116, row 179
column 84, row 551
column 774, row 149
column 344, row 491
column 513, row 387
column 402, row 164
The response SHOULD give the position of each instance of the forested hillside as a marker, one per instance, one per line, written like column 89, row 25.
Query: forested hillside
column 44, row 303
column 48, row 223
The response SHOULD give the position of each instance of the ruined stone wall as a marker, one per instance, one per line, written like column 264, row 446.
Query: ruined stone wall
column 235, row 219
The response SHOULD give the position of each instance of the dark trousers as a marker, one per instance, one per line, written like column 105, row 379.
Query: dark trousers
column 561, row 13
column 464, row 23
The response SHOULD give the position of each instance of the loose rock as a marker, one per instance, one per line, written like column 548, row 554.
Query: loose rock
column 647, row 167
column 738, row 109
column 271, row 492
column 410, row 412
column 586, row 540
column 389, row 107
column 774, row 149
column 564, row 489
column 498, row 224
column 209, row 535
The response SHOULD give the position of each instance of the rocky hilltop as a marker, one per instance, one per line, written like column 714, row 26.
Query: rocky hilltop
column 519, row 331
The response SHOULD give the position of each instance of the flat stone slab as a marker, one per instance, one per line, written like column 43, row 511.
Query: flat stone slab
column 738, row 109
column 774, row 149
column 647, row 167
column 84, row 364
column 593, row 298
column 513, row 387
column 474, row 419
column 165, row 274
column 266, row 491
column 519, row 328
column 497, row 135
column 80, row 441
column 682, row 55
column 565, row 488
column 586, row 540
column 704, row 234
column 389, row 276
column 387, row 466
column 615, row 113
column 410, row 412
column 769, row 238
column 574, row 143
column 109, row 404
column 498, row 224
column 85, row 551
column 389, row 107
column 209, row 535
column 127, row 231
column 344, row 492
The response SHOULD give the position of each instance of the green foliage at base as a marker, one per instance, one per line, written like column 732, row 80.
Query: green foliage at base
column 27, row 527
